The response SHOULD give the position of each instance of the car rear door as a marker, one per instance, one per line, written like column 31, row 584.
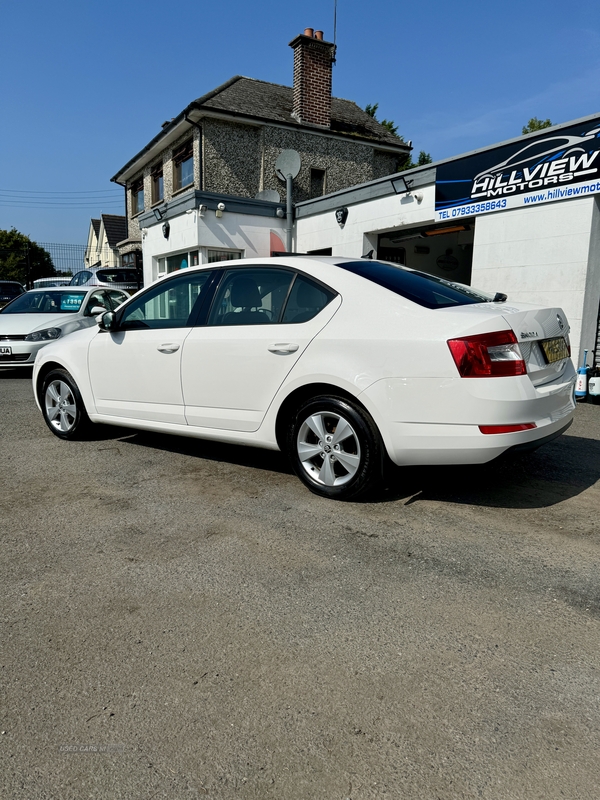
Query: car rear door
column 261, row 321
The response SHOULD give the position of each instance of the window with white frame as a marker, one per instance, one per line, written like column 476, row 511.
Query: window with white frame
column 178, row 261
column 223, row 255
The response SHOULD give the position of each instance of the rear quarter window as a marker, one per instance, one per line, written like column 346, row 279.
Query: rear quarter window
column 425, row 290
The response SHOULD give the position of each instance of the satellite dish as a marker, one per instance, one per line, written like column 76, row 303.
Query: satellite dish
column 288, row 163
column 270, row 195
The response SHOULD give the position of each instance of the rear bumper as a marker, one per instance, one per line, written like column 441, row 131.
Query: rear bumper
column 436, row 421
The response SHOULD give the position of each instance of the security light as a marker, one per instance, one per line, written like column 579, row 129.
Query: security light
column 401, row 185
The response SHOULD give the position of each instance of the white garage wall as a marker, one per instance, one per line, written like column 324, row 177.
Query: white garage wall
column 392, row 212
column 538, row 255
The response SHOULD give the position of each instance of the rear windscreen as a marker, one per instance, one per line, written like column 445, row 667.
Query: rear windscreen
column 117, row 276
column 426, row 290
column 10, row 290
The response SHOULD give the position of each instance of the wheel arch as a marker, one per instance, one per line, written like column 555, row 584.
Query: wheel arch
column 303, row 394
column 46, row 368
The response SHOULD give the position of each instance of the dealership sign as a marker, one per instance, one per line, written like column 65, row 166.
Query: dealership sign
column 532, row 170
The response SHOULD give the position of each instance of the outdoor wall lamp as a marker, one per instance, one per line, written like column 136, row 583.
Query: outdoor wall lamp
column 220, row 210
column 280, row 213
column 158, row 214
column 401, row 185
column 166, row 229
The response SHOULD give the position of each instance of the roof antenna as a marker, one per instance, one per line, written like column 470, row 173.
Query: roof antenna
column 369, row 254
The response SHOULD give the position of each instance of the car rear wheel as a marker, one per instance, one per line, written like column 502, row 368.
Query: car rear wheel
column 335, row 448
column 63, row 407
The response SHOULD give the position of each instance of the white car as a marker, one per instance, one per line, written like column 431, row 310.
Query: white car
column 35, row 318
column 340, row 363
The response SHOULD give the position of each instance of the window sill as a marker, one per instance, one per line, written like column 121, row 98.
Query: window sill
column 183, row 189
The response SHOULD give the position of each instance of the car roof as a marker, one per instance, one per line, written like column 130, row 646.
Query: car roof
column 66, row 288
column 15, row 283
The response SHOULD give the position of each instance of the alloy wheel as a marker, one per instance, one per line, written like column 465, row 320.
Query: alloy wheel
column 328, row 449
column 61, row 409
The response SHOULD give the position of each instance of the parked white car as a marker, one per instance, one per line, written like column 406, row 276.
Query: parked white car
column 340, row 363
column 40, row 316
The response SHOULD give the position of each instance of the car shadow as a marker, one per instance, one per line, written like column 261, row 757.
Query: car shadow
column 557, row 471
column 10, row 373
column 254, row 457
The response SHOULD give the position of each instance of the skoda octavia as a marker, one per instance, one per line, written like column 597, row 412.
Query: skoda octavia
column 342, row 364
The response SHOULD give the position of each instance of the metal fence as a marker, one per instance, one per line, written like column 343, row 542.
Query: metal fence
column 67, row 258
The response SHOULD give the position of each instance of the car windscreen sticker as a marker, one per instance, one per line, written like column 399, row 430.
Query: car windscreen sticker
column 70, row 302
column 541, row 168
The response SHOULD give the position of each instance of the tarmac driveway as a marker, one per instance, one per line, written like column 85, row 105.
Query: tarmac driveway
column 185, row 620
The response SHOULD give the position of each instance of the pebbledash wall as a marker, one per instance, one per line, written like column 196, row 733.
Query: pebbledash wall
column 238, row 162
column 521, row 217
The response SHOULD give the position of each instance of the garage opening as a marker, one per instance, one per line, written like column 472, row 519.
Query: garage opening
column 442, row 250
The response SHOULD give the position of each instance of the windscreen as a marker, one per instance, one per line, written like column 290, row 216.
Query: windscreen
column 42, row 302
column 425, row 290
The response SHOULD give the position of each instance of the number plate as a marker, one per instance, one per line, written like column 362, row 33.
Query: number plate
column 5, row 351
column 554, row 349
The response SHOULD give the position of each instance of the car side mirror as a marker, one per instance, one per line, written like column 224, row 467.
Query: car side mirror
column 97, row 310
column 107, row 321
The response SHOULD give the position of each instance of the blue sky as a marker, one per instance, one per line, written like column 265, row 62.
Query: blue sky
column 85, row 85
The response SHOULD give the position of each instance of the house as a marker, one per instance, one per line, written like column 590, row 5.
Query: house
column 205, row 188
column 103, row 237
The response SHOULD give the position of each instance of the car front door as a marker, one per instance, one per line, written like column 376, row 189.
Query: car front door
column 261, row 321
column 135, row 370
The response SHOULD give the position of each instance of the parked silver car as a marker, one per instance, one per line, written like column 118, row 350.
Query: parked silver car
column 40, row 316
column 110, row 277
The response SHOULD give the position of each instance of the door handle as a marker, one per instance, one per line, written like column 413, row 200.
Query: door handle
column 283, row 348
column 168, row 348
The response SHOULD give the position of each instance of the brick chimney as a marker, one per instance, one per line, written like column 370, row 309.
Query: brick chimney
column 313, row 59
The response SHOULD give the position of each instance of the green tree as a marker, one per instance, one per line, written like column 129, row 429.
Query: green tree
column 23, row 260
column 371, row 109
column 424, row 158
column 536, row 124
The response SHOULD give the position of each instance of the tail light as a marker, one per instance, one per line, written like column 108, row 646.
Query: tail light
column 488, row 355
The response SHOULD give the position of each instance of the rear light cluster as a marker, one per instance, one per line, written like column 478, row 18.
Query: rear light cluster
column 488, row 355
column 489, row 429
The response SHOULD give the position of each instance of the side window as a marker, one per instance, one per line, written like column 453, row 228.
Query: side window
column 96, row 299
column 307, row 298
column 116, row 298
column 251, row 296
column 169, row 304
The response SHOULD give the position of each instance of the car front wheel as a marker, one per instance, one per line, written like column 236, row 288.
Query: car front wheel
column 63, row 407
column 335, row 448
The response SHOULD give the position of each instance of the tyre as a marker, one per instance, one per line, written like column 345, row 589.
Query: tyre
column 63, row 407
column 335, row 448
